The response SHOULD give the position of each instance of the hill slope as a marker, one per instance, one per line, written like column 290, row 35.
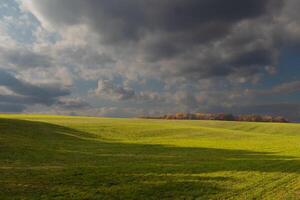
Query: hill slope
column 51, row 157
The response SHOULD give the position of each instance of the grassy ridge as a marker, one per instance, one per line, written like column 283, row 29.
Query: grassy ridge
column 51, row 157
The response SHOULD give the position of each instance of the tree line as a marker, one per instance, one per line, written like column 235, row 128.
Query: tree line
column 220, row 116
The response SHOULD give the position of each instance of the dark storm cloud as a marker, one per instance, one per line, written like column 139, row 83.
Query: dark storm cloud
column 177, row 30
column 257, row 57
column 128, row 19
column 28, row 94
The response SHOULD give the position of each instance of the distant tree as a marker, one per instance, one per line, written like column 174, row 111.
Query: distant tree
column 221, row 116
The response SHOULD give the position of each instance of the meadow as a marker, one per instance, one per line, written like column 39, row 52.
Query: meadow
column 56, row 157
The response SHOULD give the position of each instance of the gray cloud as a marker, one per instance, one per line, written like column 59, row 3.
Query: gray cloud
column 26, row 94
column 289, row 87
column 281, row 89
column 73, row 104
column 23, row 58
column 45, row 92
column 180, row 43
column 11, row 107
column 84, row 56
column 109, row 89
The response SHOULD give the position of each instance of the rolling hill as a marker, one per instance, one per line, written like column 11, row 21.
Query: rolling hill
column 57, row 157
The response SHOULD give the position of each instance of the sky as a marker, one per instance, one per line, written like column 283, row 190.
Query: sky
column 126, row 58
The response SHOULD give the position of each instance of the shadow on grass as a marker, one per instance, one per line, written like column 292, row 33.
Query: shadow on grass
column 52, row 158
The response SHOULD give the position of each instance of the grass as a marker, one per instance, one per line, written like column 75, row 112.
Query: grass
column 52, row 157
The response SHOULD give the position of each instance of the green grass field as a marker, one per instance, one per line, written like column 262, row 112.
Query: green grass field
column 50, row 157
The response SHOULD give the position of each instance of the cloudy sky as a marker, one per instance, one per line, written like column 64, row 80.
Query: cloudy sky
column 149, row 57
